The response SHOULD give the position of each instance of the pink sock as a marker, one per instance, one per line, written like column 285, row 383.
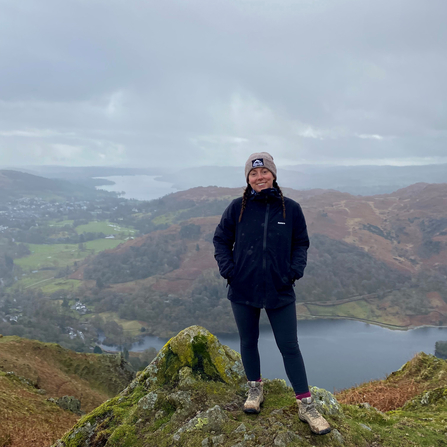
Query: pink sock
column 302, row 396
column 259, row 380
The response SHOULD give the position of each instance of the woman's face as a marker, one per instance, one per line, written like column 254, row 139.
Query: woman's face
column 260, row 178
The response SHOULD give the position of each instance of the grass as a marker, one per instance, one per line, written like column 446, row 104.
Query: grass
column 102, row 244
column 358, row 310
column 32, row 278
column 167, row 218
column 105, row 227
column 62, row 223
column 130, row 327
column 50, row 255
column 55, row 257
column 27, row 418
column 41, row 423
column 58, row 284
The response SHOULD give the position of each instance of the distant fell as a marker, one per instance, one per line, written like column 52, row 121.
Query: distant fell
column 16, row 185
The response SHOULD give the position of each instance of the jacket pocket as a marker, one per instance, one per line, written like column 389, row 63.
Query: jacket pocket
column 282, row 278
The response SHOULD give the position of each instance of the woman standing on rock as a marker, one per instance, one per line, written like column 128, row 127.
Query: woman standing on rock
column 261, row 247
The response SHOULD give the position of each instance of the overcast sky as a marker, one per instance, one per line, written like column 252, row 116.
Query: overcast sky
column 207, row 82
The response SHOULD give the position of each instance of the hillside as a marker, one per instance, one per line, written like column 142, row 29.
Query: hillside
column 16, row 185
column 31, row 372
column 381, row 259
column 192, row 393
column 129, row 268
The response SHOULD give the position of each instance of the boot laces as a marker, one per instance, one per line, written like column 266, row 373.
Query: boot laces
column 253, row 393
column 312, row 411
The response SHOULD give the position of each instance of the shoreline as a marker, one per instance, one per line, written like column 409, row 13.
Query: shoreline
column 140, row 338
column 374, row 322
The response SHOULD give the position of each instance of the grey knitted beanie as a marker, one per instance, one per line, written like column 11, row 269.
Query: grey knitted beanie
column 258, row 160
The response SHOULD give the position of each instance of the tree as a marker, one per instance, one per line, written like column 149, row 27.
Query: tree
column 126, row 354
column 100, row 283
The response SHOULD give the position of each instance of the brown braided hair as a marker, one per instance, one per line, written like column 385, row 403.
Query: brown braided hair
column 275, row 185
column 247, row 193
column 245, row 196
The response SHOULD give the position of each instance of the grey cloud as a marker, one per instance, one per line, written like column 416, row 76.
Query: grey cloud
column 147, row 82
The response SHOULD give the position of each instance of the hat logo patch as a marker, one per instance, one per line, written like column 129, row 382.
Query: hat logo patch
column 258, row 162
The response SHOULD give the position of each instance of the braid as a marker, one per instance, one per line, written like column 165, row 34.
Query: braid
column 245, row 197
column 275, row 185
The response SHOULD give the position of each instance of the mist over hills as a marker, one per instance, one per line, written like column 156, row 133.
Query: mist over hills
column 357, row 180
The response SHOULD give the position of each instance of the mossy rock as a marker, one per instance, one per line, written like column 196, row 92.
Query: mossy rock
column 193, row 392
column 201, row 352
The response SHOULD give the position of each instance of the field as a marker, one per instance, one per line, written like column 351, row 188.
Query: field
column 62, row 223
column 360, row 310
column 94, row 247
column 50, row 255
column 46, row 260
column 57, row 284
column 130, row 327
column 105, row 227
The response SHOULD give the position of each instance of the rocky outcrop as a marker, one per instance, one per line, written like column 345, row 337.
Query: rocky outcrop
column 68, row 403
column 192, row 393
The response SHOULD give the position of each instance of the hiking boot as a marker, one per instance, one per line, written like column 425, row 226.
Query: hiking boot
column 308, row 413
column 255, row 397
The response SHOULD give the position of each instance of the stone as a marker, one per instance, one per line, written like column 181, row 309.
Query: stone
column 181, row 399
column 186, row 377
column 87, row 431
column 218, row 440
column 241, row 429
column 183, row 404
column 337, row 436
column 69, row 403
column 325, row 402
column 209, row 420
column 148, row 402
column 365, row 427
column 365, row 405
column 200, row 351
column 285, row 438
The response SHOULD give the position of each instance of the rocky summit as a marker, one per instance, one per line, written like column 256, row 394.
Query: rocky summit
column 193, row 391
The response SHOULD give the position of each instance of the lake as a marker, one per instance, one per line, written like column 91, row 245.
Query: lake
column 337, row 353
column 140, row 187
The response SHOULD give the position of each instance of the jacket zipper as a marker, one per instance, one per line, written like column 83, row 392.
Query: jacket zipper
column 264, row 254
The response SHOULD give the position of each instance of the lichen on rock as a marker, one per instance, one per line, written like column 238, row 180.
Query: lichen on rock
column 325, row 402
column 203, row 356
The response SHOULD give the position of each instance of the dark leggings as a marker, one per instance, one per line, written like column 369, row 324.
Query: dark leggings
column 284, row 325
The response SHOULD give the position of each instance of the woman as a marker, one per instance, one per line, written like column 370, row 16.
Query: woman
column 261, row 247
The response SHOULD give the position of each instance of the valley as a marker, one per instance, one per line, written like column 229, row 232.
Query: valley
column 70, row 268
